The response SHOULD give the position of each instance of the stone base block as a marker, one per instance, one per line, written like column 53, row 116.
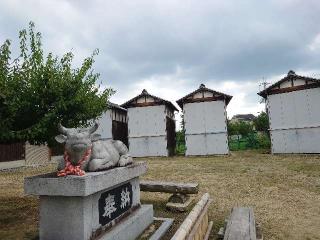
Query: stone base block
column 131, row 227
column 80, row 217
column 84, row 207
column 180, row 207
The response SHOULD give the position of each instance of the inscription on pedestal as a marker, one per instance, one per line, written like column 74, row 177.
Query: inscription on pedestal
column 115, row 202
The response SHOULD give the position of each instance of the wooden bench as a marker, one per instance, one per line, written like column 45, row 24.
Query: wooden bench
column 180, row 199
column 169, row 187
column 196, row 226
column 241, row 225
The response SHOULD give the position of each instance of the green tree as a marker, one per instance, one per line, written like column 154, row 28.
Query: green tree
column 261, row 122
column 38, row 92
column 233, row 128
column 240, row 128
column 245, row 128
column 180, row 142
column 180, row 137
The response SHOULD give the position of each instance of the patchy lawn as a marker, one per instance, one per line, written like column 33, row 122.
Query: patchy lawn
column 283, row 189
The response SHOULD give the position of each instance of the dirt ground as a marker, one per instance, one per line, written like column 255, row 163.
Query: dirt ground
column 283, row 189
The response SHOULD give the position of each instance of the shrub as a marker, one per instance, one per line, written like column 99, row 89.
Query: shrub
column 264, row 141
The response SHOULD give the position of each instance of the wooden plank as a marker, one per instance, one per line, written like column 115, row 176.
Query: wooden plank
column 169, row 187
column 241, row 225
column 206, row 237
column 196, row 228
column 171, row 135
column 192, row 219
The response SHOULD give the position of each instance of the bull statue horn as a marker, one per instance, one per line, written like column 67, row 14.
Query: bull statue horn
column 62, row 129
column 93, row 128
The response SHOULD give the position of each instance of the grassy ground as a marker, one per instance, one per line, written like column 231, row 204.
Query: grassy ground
column 284, row 191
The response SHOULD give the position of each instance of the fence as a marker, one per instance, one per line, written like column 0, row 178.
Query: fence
column 12, row 152
column 251, row 141
column 23, row 154
column 36, row 154
column 258, row 140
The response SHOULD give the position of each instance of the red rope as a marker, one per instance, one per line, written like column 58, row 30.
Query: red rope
column 69, row 169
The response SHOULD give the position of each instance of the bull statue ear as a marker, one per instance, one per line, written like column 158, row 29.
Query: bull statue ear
column 95, row 137
column 60, row 138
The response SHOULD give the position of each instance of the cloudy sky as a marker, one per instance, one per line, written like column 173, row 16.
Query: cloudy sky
column 170, row 47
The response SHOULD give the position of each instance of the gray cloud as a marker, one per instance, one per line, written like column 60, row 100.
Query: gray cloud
column 207, row 41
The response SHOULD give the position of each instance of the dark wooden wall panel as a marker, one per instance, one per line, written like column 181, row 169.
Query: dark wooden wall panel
column 120, row 131
column 171, row 135
column 12, row 152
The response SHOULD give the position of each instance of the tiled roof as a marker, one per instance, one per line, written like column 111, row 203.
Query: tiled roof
column 144, row 93
column 203, row 88
column 290, row 76
column 115, row 106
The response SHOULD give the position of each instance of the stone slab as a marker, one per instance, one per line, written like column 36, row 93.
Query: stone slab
column 169, row 187
column 92, row 182
column 131, row 227
column 12, row 164
column 164, row 227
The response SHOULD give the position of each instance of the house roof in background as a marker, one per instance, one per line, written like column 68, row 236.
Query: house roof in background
column 244, row 116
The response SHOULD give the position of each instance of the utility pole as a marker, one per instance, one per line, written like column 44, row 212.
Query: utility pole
column 263, row 84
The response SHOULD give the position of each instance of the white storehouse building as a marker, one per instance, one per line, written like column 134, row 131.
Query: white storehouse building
column 113, row 123
column 205, row 121
column 293, row 105
column 151, row 126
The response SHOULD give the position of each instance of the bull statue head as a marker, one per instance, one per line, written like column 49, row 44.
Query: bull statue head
column 85, row 152
column 77, row 140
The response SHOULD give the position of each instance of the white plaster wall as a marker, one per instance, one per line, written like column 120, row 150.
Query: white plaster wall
column 208, row 94
column 205, row 117
column 149, row 99
column 295, row 121
column 206, row 130
column 147, row 121
column 148, row 146
column 207, row 144
column 305, row 140
column 105, row 125
column 296, row 109
column 285, row 84
column 197, row 95
column 299, row 82
column 147, row 131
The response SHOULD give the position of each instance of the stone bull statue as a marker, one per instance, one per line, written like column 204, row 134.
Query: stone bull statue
column 85, row 151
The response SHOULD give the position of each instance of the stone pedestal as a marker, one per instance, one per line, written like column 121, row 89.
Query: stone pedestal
column 99, row 205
